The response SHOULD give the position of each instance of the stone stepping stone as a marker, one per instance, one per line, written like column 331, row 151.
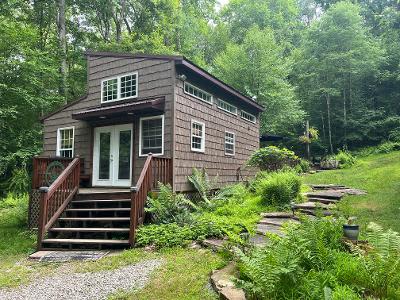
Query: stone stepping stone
column 277, row 221
column 264, row 229
column 312, row 205
column 326, row 186
column 259, row 240
column 350, row 191
column 215, row 244
column 279, row 214
column 222, row 283
column 323, row 200
column 312, row 212
column 326, row 194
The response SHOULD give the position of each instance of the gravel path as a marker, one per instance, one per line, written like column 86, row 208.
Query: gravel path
column 84, row 286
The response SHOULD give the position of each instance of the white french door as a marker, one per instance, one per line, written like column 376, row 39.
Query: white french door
column 112, row 155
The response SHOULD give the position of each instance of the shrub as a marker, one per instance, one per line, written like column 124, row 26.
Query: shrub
column 387, row 147
column 173, row 234
column 168, row 207
column 394, row 135
column 345, row 159
column 272, row 158
column 303, row 166
column 280, row 188
column 14, row 210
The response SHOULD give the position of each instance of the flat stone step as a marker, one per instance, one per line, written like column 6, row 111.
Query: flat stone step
column 279, row 214
column 313, row 212
column 86, row 241
column 312, row 205
column 325, row 194
column 264, row 229
column 88, row 229
column 322, row 200
column 259, row 240
column 277, row 221
column 326, row 186
column 97, row 209
column 94, row 219
column 215, row 244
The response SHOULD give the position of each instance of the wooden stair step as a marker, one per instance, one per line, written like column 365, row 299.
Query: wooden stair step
column 98, row 209
column 100, row 200
column 88, row 229
column 94, row 219
column 86, row 241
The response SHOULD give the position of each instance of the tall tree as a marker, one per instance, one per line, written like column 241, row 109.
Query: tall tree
column 62, row 42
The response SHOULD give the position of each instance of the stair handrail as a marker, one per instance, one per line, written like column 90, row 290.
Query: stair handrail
column 55, row 198
column 148, row 178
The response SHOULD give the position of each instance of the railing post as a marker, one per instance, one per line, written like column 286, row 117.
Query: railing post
column 133, row 216
column 42, row 216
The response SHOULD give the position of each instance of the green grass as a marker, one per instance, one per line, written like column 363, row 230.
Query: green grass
column 379, row 175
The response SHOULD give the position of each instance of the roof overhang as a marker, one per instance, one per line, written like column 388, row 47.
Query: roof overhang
column 121, row 110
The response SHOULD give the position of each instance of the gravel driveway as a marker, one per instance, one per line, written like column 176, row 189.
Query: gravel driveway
column 84, row 286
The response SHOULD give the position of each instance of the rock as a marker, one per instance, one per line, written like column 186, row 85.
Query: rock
column 259, row 240
column 323, row 200
column 326, row 194
column 312, row 205
column 279, row 214
column 194, row 245
column 221, row 281
column 277, row 221
column 326, row 186
column 264, row 229
column 215, row 244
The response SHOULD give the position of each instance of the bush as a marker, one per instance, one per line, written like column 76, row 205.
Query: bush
column 168, row 207
column 14, row 210
column 303, row 166
column 280, row 188
column 173, row 234
column 203, row 184
column 272, row 158
column 345, row 159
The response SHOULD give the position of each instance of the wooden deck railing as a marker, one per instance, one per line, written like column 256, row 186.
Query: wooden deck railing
column 40, row 164
column 155, row 169
column 55, row 198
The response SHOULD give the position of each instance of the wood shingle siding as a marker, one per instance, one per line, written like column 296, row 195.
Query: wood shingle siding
column 155, row 79
column 216, row 121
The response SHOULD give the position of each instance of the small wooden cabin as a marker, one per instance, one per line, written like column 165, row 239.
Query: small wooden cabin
column 144, row 119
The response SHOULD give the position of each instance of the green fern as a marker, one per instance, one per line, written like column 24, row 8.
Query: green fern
column 202, row 183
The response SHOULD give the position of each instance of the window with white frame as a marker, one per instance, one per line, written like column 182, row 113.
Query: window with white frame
column 65, row 142
column 229, row 143
column 151, row 135
column 119, row 88
column 227, row 107
column 247, row 116
column 197, row 93
column 198, row 135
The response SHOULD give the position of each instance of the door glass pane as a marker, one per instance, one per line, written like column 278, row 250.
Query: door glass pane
column 124, row 154
column 104, row 157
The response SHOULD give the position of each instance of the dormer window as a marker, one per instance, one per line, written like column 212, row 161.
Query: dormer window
column 119, row 88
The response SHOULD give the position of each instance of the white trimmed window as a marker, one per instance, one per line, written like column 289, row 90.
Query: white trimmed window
column 197, row 93
column 229, row 143
column 151, row 135
column 198, row 135
column 65, row 142
column 225, row 106
column 247, row 116
column 119, row 88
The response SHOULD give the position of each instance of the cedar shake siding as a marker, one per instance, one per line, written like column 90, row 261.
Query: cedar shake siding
column 155, row 78
column 216, row 121
column 160, row 90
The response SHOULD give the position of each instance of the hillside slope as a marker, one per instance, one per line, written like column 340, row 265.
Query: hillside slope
column 379, row 175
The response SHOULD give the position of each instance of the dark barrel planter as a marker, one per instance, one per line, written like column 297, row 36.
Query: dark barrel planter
column 351, row 231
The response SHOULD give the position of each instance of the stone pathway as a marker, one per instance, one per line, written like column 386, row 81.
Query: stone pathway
column 84, row 286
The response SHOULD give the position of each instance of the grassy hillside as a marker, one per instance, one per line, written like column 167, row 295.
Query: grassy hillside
column 379, row 175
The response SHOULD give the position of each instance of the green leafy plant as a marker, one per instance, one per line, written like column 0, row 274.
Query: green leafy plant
column 15, row 209
column 345, row 159
column 202, row 183
column 169, row 207
column 280, row 188
column 174, row 234
column 303, row 166
column 272, row 158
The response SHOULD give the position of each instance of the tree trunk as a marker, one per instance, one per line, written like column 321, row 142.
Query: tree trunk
column 323, row 126
column 344, row 119
column 328, row 106
column 308, row 136
column 62, row 49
